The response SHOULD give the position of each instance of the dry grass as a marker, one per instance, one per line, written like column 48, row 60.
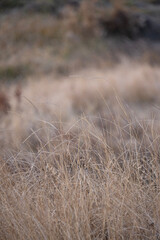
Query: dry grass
column 80, row 152
column 46, row 44
column 80, row 156
column 4, row 103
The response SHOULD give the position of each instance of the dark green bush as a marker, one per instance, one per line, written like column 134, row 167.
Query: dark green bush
column 6, row 4
column 14, row 72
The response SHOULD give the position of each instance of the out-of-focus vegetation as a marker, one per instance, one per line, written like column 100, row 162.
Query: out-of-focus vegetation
column 55, row 4
column 79, row 120
column 77, row 35
column 12, row 3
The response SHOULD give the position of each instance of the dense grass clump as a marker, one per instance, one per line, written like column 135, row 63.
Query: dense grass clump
column 76, row 186
column 79, row 158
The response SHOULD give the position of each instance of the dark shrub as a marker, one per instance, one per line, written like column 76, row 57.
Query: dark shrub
column 6, row 4
column 9, row 4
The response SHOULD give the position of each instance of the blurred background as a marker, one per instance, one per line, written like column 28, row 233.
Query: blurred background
column 46, row 36
column 71, row 57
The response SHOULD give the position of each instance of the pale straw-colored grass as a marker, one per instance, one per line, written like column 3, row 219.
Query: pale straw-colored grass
column 80, row 157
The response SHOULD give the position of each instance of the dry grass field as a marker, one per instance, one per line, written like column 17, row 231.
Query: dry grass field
column 79, row 135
